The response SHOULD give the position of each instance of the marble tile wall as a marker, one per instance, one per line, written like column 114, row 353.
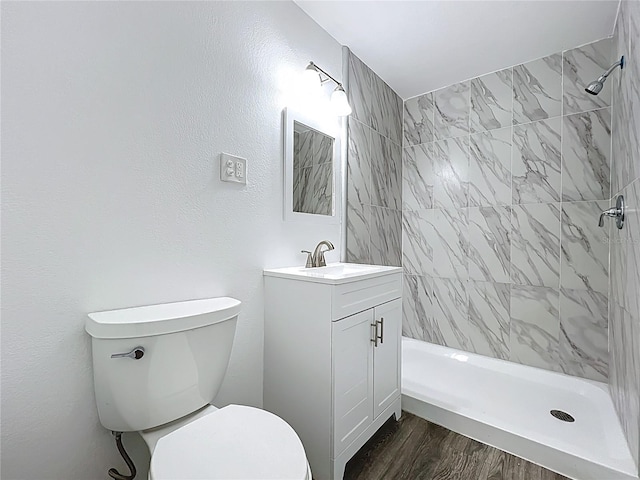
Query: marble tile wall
column 624, row 279
column 374, row 169
column 503, row 179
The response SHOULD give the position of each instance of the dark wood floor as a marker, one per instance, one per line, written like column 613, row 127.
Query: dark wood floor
column 414, row 449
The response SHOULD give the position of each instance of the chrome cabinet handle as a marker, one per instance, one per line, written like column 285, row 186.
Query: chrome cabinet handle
column 375, row 334
column 381, row 322
column 136, row 354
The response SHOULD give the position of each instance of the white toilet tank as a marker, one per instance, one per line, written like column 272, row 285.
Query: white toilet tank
column 183, row 351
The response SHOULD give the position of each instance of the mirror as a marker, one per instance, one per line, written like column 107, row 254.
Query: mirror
column 311, row 169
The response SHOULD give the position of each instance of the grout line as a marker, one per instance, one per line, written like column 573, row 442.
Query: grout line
column 560, row 262
column 615, row 24
column 513, row 104
column 611, row 176
column 466, row 209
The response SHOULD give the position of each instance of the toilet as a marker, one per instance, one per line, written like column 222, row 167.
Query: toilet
column 157, row 368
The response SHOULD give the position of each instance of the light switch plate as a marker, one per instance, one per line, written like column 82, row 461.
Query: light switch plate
column 233, row 169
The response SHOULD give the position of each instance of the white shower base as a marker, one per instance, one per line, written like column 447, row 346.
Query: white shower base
column 507, row 405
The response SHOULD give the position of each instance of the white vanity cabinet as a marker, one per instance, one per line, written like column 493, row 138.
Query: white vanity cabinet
column 332, row 357
column 366, row 373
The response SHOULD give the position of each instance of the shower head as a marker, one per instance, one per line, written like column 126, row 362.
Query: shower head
column 594, row 88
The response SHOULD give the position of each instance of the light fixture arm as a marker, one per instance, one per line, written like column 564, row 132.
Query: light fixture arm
column 324, row 80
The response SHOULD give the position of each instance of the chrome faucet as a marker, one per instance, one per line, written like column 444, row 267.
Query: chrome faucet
column 316, row 259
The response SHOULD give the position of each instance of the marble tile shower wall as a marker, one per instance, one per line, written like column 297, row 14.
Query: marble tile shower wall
column 624, row 280
column 374, row 186
column 503, row 180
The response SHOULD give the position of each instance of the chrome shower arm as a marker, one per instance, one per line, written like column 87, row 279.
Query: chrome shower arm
column 619, row 63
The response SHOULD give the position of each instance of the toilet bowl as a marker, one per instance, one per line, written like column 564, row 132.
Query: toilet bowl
column 156, row 370
column 234, row 442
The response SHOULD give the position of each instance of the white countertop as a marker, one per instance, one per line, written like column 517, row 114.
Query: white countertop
column 333, row 273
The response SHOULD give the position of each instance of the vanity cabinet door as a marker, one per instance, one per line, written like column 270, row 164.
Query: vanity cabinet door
column 352, row 354
column 386, row 355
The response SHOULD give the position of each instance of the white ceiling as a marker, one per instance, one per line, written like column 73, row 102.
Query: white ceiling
column 418, row 46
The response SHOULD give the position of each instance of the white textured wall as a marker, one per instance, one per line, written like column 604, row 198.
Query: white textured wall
column 113, row 116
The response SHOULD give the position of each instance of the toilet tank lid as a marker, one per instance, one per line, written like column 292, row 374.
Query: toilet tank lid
column 161, row 319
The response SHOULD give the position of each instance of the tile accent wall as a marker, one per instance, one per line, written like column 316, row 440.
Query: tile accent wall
column 503, row 179
column 374, row 169
column 624, row 282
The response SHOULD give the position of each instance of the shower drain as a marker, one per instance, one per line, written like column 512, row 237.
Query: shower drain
column 564, row 416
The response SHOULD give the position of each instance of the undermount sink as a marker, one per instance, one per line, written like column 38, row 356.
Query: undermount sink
column 333, row 273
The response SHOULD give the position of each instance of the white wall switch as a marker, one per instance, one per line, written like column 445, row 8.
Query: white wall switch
column 233, row 169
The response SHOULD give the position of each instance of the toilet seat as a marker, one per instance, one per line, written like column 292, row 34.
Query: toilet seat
column 233, row 443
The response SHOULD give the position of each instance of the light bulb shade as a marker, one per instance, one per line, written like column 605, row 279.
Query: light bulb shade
column 340, row 103
column 311, row 78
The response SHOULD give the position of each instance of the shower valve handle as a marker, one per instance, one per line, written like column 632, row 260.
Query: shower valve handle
column 611, row 212
column 616, row 212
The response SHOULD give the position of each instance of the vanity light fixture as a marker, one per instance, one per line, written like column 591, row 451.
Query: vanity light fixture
column 339, row 102
column 313, row 78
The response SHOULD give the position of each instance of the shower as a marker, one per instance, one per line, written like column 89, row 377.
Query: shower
column 595, row 87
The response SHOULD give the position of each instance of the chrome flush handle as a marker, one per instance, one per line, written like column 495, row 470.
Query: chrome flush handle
column 136, row 354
